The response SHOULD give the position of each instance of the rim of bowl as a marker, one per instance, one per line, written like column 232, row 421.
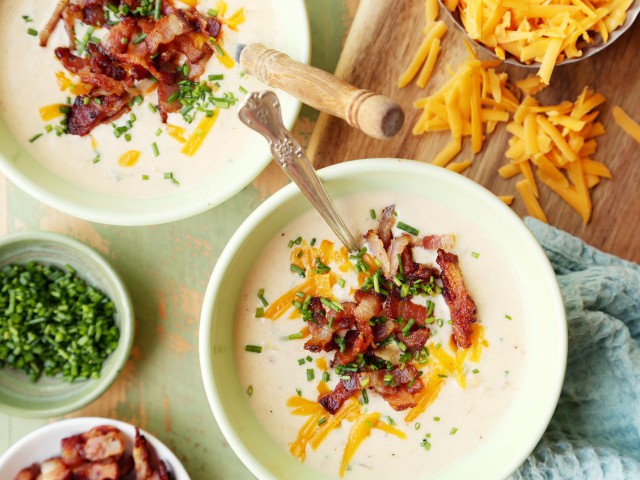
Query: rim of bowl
column 88, row 423
column 182, row 211
column 339, row 171
column 588, row 51
column 125, row 342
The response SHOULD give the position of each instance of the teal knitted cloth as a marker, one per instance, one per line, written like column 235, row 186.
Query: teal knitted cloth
column 595, row 430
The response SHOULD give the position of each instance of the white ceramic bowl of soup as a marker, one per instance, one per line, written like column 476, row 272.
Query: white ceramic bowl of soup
column 58, row 171
column 526, row 415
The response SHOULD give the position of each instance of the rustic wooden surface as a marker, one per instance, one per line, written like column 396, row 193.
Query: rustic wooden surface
column 383, row 38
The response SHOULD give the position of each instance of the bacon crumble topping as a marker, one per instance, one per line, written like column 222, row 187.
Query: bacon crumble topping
column 168, row 47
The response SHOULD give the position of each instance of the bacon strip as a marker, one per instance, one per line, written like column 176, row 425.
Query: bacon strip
column 29, row 473
column 359, row 340
column 48, row 29
column 84, row 117
column 433, row 242
column 378, row 250
column 406, row 309
column 463, row 309
column 98, row 471
column 345, row 389
column 321, row 332
column 387, row 221
column 55, row 469
column 398, row 247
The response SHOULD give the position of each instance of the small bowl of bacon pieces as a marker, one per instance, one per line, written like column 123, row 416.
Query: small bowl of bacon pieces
column 90, row 448
column 435, row 351
column 542, row 34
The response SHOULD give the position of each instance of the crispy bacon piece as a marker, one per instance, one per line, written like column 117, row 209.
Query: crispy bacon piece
column 54, row 469
column 48, row 29
column 387, row 221
column 142, row 457
column 405, row 308
column 82, row 68
column 415, row 340
column 422, row 272
column 84, row 117
column 359, row 340
column 462, row 306
column 106, row 470
column 433, row 242
column 101, row 63
column 402, row 398
column 378, row 250
column 383, row 330
column 100, row 443
column 400, row 246
column 29, row 473
column 396, row 392
column 321, row 332
column 345, row 389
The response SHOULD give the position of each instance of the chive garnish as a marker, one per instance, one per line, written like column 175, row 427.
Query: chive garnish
column 372, row 212
column 169, row 176
column 298, row 270
column 299, row 392
column 301, row 361
column 261, row 297
column 290, row 244
column 32, row 31
column 296, row 336
column 322, row 420
column 407, row 328
column 310, row 374
column 341, row 282
column 475, row 370
column 408, row 228
column 250, row 390
column 298, row 240
column 145, row 177
column 154, row 147
column 139, row 38
column 453, row 431
column 153, row 108
column 436, row 419
column 416, row 425
column 212, row 12
column 365, row 397
column 309, row 359
column 313, row 242
column 157, row 10
column 253, row 348
column 242, row 89
column 390, row 421
column 508, row 317
column 35, row 137
column 475, row 254
column 259, row 312
column 325, row 376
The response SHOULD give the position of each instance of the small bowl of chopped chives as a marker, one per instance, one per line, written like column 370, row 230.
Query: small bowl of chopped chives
column 66, row 324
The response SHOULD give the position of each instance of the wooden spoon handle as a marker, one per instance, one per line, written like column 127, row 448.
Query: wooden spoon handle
column 374, row 114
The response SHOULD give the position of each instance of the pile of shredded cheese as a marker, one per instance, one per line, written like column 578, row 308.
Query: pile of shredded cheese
column 558, row 141
column 426, row 57
column 471, row 103
column 544, row 31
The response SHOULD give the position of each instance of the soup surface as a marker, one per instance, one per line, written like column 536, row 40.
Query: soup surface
column 470, row 396
column 101, row 162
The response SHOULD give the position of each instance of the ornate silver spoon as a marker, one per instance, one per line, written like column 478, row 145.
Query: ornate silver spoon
column 261, row 112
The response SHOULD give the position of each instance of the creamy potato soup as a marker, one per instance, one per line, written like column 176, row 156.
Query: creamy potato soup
column 135, row 155
column 464, row 390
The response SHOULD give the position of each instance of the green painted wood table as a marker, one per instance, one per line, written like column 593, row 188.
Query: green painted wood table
column 166, row 269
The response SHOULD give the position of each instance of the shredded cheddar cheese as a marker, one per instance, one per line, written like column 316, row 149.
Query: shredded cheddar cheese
column 627, row 123
column 50, row 112
column 544, row 31
column 129, row 159
column 425, row 59
column 471, row 103
column 557, row 141
column 236, row 19
column 204, row 127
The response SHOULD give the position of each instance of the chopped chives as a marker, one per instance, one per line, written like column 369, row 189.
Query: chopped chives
column 373, row 214
column 325, row 376
column 35, row 137
column 213, row 78
column 341, row 282
column 154, row 147
column 407, row 327
column 124, row 40
column 297, row 304
column 242, row 89
column 310, row 374
column 508, row 317
column 475, row 371
column 442, row 375
column 48, row 128
column 298, row 270
column 301, row 361
column 32, row 31
column 408, row 228
column 390, row 421
column 261, row 297
column 152, row 107
column 300, row 294
column 365, row 397
column 322, row 421
column 475, row 254
column 157, row 10
column 313, row 242
column 298, row 240
column 127, row 137
column 296, row 336
column 253, row 348
column 290, row 244
column 250, row 390
column 27, row 18
column 96, row 159
column 64, row 109
column 242, row 74
column 212, row 12
column 259, row 312
column 436, row 419
column 139, row 38
column 309, row 359
column 173, row 97
column 417, row 426
column 453, row 431
column 299, row 392
column 145, row 177
column 158, row 132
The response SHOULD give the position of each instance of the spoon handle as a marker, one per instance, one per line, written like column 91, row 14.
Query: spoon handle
column 376, row 115
column 261, row 112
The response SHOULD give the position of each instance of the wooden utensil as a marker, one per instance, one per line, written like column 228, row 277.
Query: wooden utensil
column 376, row 115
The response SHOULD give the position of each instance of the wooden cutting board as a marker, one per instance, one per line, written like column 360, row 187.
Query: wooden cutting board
column 382, row 40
